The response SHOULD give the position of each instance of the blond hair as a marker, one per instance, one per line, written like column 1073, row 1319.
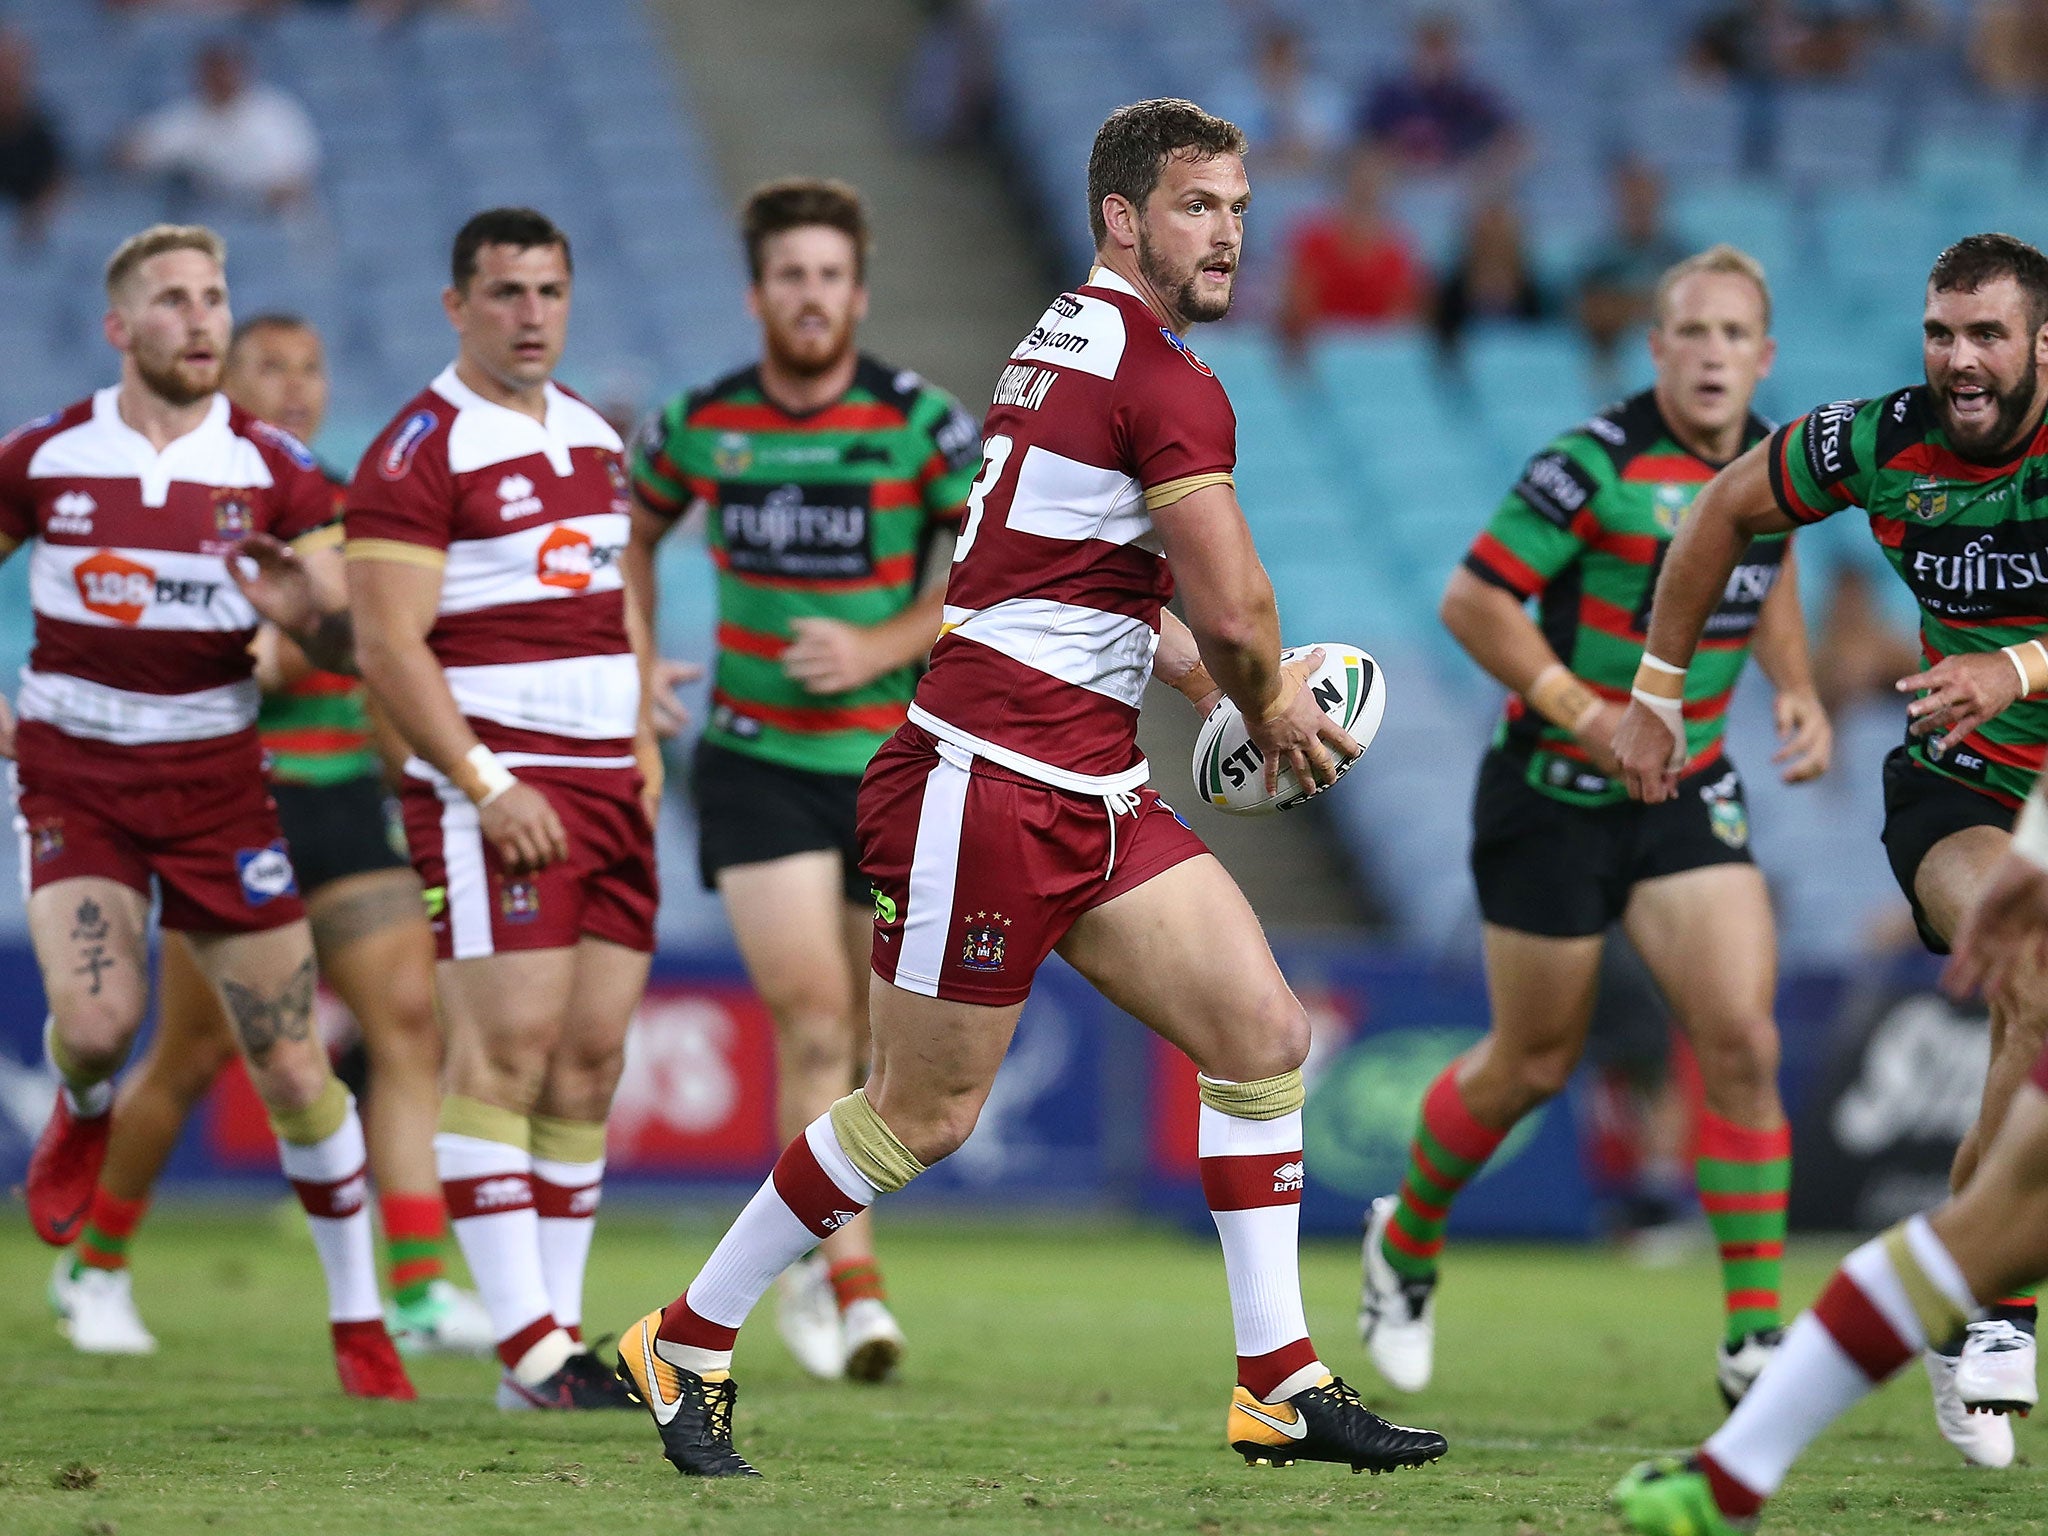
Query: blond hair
column 155, row 241
column 1725, row 259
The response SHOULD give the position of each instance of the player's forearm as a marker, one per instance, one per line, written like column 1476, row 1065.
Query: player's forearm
column 909, row 636
column 1495, row 630
column 1239, row 642
column 1780, row 646
column 329, row 643
column 409, row 687
column 1177, row 662
column 1733, row 508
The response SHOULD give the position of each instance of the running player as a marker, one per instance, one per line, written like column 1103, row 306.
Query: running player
column 370, row 936
column 1559, row 853
column 1010, row 816
column 137, row 760
column 1950, row 473
column 485, row 526
column 828, row 477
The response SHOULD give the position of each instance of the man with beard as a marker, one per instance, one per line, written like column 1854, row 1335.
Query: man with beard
column 1950, row 473
column 829, row 478
column 1010, row 817
column 137, row 763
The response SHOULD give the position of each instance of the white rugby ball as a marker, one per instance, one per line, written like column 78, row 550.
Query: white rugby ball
column 1230, row 771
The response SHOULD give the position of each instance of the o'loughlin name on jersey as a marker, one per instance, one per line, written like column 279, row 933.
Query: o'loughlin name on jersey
column 827, row 515
column 1584, row 532
column 1970, row 539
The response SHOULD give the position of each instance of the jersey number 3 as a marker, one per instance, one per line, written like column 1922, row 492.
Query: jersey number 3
column 995, row 454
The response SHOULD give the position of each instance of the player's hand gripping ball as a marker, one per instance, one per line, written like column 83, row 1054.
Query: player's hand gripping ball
column 1230, row 771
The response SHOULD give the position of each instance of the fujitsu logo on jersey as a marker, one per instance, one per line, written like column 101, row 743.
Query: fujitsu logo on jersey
column 1024, row 386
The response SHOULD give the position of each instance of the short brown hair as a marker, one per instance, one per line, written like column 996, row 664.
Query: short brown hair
column 1134, row 143
column 155, row 241
column 1724, row 259
column 1976, row 260
column 776, row 207
column 521, row 228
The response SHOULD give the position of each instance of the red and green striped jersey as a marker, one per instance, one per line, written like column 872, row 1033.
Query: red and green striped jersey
column 1969, row 537
column 826, row 515
column 1584, row 532
column 317, row 731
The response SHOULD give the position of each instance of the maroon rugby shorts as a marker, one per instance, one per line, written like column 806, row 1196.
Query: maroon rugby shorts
column 978, row 872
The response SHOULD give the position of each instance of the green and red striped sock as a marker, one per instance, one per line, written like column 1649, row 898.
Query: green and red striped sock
column 109, row 1222
column 415, row 1230
column 1744, row 1176
column 855, row 1280
column 1450, row 1147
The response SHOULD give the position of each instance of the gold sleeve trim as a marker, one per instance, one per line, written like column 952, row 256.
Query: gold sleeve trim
column 328, row 537
column 1166, row 494
column 398, row 550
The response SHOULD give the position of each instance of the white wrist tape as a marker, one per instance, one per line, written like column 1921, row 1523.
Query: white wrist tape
column 493, row 778
column 2030, row 833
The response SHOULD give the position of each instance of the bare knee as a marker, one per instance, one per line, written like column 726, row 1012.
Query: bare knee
column 186, row 1073
column 814, row 1038
column 403, row 1033
column 96, row 1032
column 506, row 1064
column 1739, row 1065
column 932, row 1127
column 1503, row 1080
column 1273, row 1041
column 290, row 1080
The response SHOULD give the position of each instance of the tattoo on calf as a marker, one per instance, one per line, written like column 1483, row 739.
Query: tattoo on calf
column 90, row 934
column 262, row 1021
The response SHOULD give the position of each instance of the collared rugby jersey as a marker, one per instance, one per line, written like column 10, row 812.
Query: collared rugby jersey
column 1101, row 417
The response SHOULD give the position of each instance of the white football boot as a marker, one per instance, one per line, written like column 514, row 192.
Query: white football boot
column 1995, row 1373
column 1736, row 1370
column 807, row 1314
column 874, row 1342
column 1985, row 1439
column 447, row 1321
column 1396, row 1316
column 96, row 1310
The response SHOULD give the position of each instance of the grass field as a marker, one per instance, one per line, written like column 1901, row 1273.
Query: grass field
column 1061, row 1380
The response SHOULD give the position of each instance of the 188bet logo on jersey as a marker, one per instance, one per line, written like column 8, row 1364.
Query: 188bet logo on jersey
column 117, row 588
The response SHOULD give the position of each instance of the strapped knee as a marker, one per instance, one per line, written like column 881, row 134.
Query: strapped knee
column 567, row 1141
column 317, row 1121
column 462, row 1116
column 871, row 1146
column 1265, row 1098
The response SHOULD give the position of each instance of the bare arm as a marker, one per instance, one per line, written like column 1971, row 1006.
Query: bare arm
column 300, row 587
column 1734, row 508
column 1235, row 623
column 394, row 604
column 1177, row 662
column 1496, row 631
column 829, row 656
column 1805, row 738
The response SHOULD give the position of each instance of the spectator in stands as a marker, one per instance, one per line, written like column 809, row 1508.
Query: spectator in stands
column 1350, row 264
column 31, row 153
column 1619, row 279
column 1491, row 279
column 1758, row 40
column 236, row 140
column 2009, row 47
column 1437, row 116
column 1294, row 116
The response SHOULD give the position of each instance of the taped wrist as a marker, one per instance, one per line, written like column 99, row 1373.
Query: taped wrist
column 1660, row 688
column 871, row 1146
column 2030, row 659
column 1265, row 1098
column 1562, row 699
column 481, row 776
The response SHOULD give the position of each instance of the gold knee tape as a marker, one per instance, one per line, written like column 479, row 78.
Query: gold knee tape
column 317, row 1121
column 486, row 1122
column 871, row 1146
column 567, row 1141
column 1938, row 1316
column 1268, row 1098
column 66, row 1064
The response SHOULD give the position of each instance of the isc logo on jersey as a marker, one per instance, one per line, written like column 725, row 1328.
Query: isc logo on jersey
column 569, row 559
column 117, row 588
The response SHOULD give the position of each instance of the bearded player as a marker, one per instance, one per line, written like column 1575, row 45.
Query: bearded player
column 370, row 936
column 138, row 769
column 485, row 526
column 1559, row 853
column 1010, row 816
column 828, row 477
column 1951, row 474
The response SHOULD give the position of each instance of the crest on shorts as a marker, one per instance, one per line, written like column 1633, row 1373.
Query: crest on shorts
column 1727, row 817
column 1926, row 499
column 519, row 901
column 983, row 950
column 46, row 841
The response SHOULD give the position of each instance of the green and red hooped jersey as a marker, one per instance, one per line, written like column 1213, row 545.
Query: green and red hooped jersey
column 826, row 515
column 1584, row 533
column 1969, row 538
column 316, row 730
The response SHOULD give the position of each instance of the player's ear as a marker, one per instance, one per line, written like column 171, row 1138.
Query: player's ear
column 1766, row 355
column 115, row 328
column 1120, row 217
column 451, row 305
column 860, row 302
column 754, row 300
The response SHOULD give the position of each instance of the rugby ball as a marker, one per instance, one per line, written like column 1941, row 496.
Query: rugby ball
column 1230, row 771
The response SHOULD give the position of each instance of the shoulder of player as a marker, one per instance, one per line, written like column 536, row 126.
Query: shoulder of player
column 20, row 444
column 403, row 443
column 741, row 381
column 1612, row 438
column 583, row 423
column 282, row 452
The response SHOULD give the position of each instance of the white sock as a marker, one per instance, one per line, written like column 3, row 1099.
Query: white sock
column 329, row 1178
column 566, row 1195
column 1252, row 1177
column 489, row 1189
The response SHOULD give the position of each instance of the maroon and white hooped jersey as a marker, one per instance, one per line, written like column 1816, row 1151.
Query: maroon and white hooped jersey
column 526, row 521
column 141, row 657
column 1101, row 416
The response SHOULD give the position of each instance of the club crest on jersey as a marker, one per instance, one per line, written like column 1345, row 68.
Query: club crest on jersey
column 519, row 901
column 405, row 443
column 983, row 950
column 266, row 874
column 615, row 472
column 732, row 453
column 71, row 513
column 1668, row 507
column 1926, row 499
column 516, row 498
column 233, row 516
column 1185, row 351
